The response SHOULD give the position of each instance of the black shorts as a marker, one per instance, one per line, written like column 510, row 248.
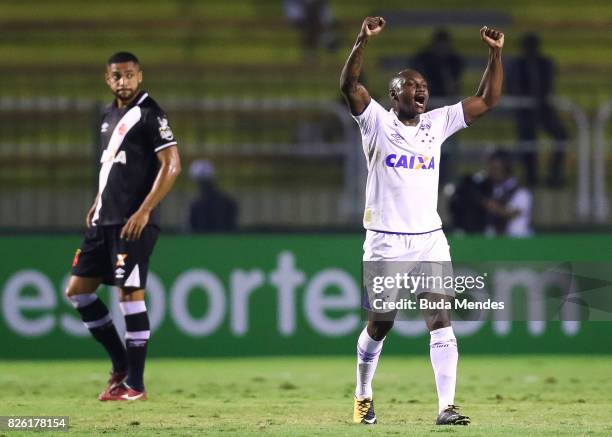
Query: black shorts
column 118, row 262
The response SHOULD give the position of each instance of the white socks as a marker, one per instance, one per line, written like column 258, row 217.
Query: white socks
column 444, row 356
column 368, row 351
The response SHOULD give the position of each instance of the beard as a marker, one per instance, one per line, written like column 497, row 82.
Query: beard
column 125, row 94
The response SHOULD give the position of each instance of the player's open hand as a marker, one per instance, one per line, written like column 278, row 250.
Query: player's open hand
column 133, row 228
column 493, row 38
column 372, row 26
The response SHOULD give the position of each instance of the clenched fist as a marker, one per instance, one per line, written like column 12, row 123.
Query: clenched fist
column 372, row 26
column 493, row 38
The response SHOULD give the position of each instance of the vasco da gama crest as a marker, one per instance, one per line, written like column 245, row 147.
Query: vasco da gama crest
column 164, row 129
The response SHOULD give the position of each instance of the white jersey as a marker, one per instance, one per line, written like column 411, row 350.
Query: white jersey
column 404, row 167
column 519, row 226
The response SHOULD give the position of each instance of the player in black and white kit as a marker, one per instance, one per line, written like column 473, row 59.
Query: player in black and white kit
column 139, row 164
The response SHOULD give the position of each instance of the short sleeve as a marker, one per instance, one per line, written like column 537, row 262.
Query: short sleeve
column 519, row 226
column 454, row 119
column 158, row 130
column 369, row 121
column 521, row 201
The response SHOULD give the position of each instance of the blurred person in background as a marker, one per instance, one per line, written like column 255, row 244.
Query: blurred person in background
column 467, row 211
column 492, row 201
column 442, row 66
column 532, row 75
column 212, row 210
column 314, row 20
column 508, row 205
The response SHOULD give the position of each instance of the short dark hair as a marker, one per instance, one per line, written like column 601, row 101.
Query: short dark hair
column 398, row 80
column 121, row 57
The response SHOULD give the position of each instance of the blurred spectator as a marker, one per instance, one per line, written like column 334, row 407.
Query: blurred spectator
column 532, row 75
column 315, row 21
column 492, row 202
column 466, row 204
column 212, row 210
column 509, row 204
column 442, row 67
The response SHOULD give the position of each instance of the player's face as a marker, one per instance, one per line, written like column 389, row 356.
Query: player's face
column 124, row 80
column 413, row 95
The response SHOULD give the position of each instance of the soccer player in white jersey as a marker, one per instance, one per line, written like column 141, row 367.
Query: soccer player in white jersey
column 402, row 149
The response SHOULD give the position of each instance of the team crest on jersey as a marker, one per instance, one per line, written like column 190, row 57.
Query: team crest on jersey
column 104, row 127
column 122, row 129
column 412, row 162
column 426, row 125
column 164, row 129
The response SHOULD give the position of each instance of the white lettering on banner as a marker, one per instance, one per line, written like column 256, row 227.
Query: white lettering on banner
column 533, row 286
column 410, row 328
column 316, row 303
column 30, row 302
column 13, row 303
column 184, row 285
column 465, row 328
column 242, row 284
column 286, row 278
column 156, row 301
column 570, row 327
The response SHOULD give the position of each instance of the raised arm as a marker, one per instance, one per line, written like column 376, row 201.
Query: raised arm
column 490, row 88
column 355, row 94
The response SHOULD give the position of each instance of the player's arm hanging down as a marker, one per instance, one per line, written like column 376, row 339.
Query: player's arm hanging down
column 92, row 211
column 169, row 169
column 355, row 94
column 490, row 88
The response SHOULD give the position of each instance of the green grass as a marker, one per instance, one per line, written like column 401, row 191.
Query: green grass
column 507, row 395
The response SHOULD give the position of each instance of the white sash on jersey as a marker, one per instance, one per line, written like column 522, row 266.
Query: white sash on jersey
column 122, row 128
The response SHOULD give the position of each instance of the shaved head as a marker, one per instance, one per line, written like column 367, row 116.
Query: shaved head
column 409, row 94
column 397, row 81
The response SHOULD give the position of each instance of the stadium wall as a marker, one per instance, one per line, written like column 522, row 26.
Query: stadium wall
column 265, row 294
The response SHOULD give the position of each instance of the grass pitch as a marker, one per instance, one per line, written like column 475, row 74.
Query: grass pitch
column 504, row 395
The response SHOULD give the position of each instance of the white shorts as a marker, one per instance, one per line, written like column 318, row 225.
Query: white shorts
column 382, row 246
column 387, row 254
